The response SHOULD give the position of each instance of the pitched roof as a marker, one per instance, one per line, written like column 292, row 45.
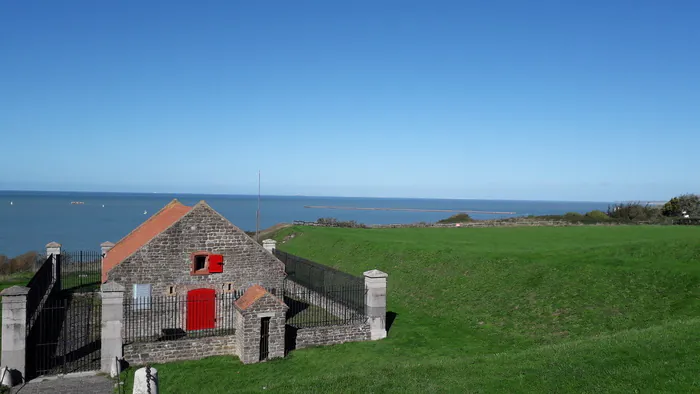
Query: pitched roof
column 142, row 234
column 251, row 295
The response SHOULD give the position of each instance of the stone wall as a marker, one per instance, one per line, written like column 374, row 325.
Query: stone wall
column 166, row 260
column 331, row 335
column 182, row 349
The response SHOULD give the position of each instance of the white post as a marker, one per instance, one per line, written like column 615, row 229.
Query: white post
column 375, row 303
column 14, row 330
column 146, row 383
column 270, row 245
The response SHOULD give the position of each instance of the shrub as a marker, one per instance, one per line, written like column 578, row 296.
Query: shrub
column 598, row 215
column 333, row 222
column 458, row 218
column 573, row 215
column 634, row 212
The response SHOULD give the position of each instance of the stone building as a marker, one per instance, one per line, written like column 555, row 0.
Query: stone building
column 185, row 250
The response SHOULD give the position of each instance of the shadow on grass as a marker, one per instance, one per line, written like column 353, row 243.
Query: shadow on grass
column 390, row 317
column 290, row 339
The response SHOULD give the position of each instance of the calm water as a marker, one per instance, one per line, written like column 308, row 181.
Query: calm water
column 36, row 218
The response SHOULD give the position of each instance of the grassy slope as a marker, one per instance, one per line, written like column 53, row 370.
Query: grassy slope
column 499, row 309
column 18, row 279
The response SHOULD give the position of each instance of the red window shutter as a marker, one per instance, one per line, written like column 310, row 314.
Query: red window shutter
column 216, row 263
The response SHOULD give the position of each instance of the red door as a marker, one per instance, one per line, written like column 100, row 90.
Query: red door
column 200, row 309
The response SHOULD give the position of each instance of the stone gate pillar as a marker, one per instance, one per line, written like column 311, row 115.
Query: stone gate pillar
column 375, row 303
column 112, row 323
column 105, row 247
column 53, row 248
column 14, row 329
column 269, row 245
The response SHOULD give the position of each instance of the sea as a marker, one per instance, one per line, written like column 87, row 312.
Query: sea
column 31, row 219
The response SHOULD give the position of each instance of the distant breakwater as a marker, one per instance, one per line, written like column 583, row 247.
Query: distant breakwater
column 406, row 209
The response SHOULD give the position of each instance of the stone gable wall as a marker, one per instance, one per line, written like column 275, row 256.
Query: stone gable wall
column 166, row 260
column 182, row 349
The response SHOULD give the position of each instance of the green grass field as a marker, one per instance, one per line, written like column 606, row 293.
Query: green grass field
column 540, row 309
column 18, row 279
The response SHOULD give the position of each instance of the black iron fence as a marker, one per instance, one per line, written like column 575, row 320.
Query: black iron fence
column 167, row 318
column 319, row 295
column 339, row 305
column 81, row 271
column 40, row 287
column 315, row 276
column 65, row 336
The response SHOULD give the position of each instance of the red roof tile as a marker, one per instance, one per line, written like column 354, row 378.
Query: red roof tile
column 251, row 295
column 140, row 236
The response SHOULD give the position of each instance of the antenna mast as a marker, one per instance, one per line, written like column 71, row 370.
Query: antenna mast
column 257, row 216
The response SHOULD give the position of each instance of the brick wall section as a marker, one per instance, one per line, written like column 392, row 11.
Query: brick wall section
column 331, row 335
column 248, row 331
column 166, row 260
column 183, row 349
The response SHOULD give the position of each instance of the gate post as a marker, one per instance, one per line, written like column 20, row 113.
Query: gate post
column 270, row 245
column 112, row 322
column 53, row 248
column 14, row 329
column 375, row 303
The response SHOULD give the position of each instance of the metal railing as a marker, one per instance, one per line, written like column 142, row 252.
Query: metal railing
column 40, row 288
column 81, row 271
column 166, row 318
column 340, row 305
column 313, row 275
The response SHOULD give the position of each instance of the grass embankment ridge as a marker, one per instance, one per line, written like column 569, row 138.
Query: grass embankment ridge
column 530, row 309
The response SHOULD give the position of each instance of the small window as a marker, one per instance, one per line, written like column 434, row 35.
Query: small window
column 200, row 262
column 170, row 291
column 142, row 296
column 205, row 263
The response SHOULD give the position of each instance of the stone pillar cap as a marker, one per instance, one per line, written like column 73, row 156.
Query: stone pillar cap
column 107, row 243
column 15, row 291
column 269, row 241
column 111, row 286
column 375, row 274
column 53, row 245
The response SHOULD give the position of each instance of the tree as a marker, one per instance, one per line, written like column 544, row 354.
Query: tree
column 633, row 212
column 688, row 203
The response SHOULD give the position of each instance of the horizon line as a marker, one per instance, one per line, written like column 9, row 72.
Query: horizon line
column 315, row 196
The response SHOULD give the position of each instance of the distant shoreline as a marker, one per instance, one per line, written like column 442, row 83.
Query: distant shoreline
column 405, row 209
column 7, row 192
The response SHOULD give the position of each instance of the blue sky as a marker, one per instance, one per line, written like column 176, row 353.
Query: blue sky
column 588, row 100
